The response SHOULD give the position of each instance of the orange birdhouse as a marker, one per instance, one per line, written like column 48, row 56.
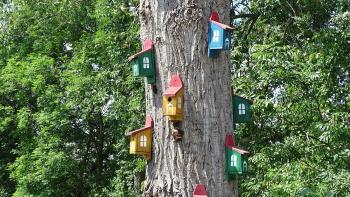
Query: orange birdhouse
column 173, row 99
column 141, row 139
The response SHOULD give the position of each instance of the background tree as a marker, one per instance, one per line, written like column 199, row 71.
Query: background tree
column 292, row 58
column 66, row 98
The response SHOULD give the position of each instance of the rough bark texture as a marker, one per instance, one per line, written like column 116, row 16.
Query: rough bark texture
column 179, row 31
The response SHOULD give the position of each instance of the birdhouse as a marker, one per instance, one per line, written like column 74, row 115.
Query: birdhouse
column 236, row 158
column 173, row 99
column 143, row 63
column 219, row 35
column 141, row 139
column 241, row 109
column 199, row 191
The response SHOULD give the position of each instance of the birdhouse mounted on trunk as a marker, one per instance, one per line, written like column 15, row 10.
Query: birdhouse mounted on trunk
column 143, row 63
column 200, row 191
column 236, row 158
column 141, row 139
column 219, row 35
column 241, row 109
column 173, row 99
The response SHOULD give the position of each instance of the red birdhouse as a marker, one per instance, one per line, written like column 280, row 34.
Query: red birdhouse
column 200, row 191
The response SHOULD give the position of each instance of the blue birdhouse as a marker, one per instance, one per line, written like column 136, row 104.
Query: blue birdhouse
column 219, row 35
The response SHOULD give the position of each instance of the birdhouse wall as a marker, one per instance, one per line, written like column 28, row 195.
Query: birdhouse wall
column 169, row 105
column 141, row 143
column 179, row 102
column 174, row 108
column 133, row 145
column 216, row 35
column 227, row 40
column 233, row 162
column 241, row 110
column 146, row 64
column 135, row 67
column 245, row 164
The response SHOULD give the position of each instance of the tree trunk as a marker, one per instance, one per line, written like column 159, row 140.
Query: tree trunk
column 179, row 30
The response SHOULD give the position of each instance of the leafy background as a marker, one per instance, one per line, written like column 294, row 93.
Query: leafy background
column 292, row 58
column 67, row 97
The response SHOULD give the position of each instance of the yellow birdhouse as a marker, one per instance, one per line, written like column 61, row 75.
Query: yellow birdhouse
column 141, row 140
column 173, row 99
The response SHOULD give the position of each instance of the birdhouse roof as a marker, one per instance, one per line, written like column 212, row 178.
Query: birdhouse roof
column 247, row 99
column 175, row 85
column 214, row 18
column 230, row 143
column 147, row 46
column 200, row 191
column 240, row 151
column 148, row 125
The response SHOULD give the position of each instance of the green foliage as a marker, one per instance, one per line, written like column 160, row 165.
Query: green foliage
column 295, row 64
column 46, row 171
column 67, row 97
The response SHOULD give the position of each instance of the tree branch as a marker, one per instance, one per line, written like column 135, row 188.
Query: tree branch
column 251, row 26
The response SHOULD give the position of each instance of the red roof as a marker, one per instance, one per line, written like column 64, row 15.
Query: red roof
column 148, row 125
column 149, row 121
column 214, row 18
column 230, row 143
column 200, row 191
column 175, row 85
column 147, row 46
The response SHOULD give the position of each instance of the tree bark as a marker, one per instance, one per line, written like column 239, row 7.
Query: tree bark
column 179, row 30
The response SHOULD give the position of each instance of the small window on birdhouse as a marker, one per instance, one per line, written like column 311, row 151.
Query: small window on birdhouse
column 245, row 166
column 145, row 62
column 170, row 108
column 143, row 141
column 135, row 69
column 233, row 160
column 241, row 109
column 227, row 43
column 179, row 102
column 216, row 36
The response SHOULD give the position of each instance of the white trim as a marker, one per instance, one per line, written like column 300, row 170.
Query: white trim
column 143, row 141
column 170, row 108
column 145, row 62
column 233, row 161
column 216, row 36
column 241, row 109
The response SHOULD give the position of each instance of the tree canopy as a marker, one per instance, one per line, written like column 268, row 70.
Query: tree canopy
column 67, row 97
column 292, row 58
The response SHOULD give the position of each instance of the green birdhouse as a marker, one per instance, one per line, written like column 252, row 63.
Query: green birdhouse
column 241, row 109
column 143, row 63
column 236, row 158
